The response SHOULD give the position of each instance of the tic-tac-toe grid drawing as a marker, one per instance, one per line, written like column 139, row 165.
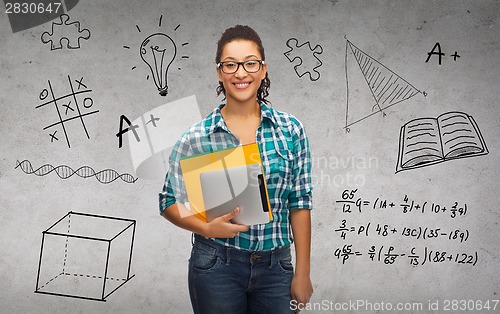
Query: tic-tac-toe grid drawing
column 72, row 107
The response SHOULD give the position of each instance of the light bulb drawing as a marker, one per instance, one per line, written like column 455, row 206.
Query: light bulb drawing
column 158, row 51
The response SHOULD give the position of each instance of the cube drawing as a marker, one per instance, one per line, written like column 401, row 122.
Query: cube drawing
column 85, row 256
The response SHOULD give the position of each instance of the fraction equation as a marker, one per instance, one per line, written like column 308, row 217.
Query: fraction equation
column 389, row 255
column 385, row 230
column 350, row 202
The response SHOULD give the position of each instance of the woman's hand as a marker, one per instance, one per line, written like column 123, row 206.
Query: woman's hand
column 222, row 227
column 301, row 290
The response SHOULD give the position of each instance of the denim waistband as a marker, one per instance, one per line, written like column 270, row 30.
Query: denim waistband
column 230, row 253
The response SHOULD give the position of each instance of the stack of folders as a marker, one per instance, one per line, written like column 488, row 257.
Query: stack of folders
column 216, row 183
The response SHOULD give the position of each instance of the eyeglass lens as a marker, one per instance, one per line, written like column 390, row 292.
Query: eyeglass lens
column 250, row 66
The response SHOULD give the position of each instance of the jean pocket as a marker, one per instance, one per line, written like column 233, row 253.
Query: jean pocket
column 286, row 265
column 203, row 257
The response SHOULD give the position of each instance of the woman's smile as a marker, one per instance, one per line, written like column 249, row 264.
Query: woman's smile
column 243, row 85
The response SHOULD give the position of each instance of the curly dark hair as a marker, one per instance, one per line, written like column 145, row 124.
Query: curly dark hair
column 243, row 32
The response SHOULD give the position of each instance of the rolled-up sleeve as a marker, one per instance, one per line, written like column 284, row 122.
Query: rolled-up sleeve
column 173, row 190
column 300, row 195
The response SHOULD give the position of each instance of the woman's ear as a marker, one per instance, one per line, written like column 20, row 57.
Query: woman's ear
column 264, row 71
column 219, row 73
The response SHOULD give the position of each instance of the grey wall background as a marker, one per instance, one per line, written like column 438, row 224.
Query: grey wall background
column 399, row 34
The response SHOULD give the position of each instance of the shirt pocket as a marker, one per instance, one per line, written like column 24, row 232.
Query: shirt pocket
column 284, row 165
column 280, row 158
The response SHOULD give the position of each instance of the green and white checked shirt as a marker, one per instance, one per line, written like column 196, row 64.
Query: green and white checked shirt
column 286, row 158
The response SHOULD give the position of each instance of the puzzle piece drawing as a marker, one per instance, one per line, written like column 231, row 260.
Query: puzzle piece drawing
column 64, row 30
column 307, row 56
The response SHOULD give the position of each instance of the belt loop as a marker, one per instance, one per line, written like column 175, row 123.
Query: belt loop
column 272, row 260
column 228, row 256
column 192, row 239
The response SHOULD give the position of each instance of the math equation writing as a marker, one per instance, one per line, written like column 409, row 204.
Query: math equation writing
column 350, row 203
column 417, row 232
column 389, row 255
column 391, row 240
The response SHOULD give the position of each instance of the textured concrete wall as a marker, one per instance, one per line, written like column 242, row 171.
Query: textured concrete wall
column 353, row 121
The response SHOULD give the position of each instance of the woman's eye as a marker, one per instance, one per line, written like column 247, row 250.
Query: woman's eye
column 251, row 63
column 230, row 65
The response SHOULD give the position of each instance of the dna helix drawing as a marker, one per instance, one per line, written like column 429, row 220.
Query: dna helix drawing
column 64, row 172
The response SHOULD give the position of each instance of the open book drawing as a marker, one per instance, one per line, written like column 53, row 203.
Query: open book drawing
column 427, row 141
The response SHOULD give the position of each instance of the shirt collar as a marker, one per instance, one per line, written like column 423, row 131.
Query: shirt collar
column 218, row 120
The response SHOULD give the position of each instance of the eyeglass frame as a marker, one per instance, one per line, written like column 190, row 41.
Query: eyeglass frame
column 242, row 63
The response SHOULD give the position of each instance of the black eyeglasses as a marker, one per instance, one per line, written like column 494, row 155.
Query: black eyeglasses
column 230, row 67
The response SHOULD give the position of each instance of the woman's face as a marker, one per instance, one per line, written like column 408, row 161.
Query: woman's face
column 241, row 86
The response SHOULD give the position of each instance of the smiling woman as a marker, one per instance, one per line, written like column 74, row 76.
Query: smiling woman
column 252, row 39
column 241, row 85
column 236, row 268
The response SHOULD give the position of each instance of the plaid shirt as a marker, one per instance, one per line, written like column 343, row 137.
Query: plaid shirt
column 284, row 150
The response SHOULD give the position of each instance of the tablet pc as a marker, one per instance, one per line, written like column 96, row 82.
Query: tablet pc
column 243, row 186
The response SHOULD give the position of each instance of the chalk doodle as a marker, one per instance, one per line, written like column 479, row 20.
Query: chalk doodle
column 387, row 88
column 66, row 105
column 307, row 57
column 436, row 50
column 85, row 256
column 132, row 127
column 158, row 51
column 64, row 172
column 427, row 141
column 65, row 31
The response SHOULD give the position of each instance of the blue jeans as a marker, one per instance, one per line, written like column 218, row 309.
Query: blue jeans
column 225, row 280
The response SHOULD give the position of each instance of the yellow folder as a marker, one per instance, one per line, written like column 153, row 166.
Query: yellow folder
column 193, row 166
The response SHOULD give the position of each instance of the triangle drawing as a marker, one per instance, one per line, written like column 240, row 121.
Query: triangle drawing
column 386, row 88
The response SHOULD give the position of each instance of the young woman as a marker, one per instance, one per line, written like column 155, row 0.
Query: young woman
column 247, row 269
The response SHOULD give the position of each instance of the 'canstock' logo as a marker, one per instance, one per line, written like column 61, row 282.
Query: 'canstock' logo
column 25, row 15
